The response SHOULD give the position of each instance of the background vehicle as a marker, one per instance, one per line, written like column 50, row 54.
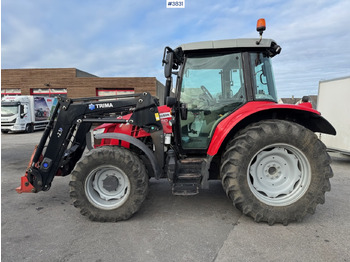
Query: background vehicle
column 221, row 121
column 333, row 102
column 25, row 113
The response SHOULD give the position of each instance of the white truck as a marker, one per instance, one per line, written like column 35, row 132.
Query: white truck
column 25, row 113
column 334, row 103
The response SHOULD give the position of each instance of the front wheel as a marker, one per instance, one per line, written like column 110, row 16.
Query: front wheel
column 276, row 171
column 29, row 128
column 109, row 184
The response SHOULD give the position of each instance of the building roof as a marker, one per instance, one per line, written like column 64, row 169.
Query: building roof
column 291, row 100
column 295, row 101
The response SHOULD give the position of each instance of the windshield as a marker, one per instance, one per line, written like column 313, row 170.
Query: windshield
column 263, row 80
column 9, row 110
column 211, row 88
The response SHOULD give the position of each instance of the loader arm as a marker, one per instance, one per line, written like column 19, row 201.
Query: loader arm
column 64, row 139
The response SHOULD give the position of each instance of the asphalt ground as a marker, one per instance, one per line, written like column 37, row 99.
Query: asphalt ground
column 206, row 227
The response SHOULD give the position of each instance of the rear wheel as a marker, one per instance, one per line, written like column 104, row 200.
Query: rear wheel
column 109, row 184
column 276, row 171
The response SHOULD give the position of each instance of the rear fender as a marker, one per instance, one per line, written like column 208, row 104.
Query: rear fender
column 256, row 111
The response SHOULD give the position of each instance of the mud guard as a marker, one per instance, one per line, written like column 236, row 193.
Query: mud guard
column 153, row 158
column 256, row 111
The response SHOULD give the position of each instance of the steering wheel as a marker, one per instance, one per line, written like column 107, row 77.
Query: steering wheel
column 207, row 93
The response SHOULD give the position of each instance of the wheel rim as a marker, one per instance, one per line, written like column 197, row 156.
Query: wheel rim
column 279, row 175
column 107, row 187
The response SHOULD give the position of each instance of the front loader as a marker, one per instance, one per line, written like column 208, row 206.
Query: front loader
column 220, row 120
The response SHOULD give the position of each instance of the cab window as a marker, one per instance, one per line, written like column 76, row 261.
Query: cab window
column 263, row 80
column 212, row 87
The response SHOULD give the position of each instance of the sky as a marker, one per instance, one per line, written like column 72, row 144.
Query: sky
column 123, row 38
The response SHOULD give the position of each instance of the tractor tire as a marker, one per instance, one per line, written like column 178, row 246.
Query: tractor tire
column 109, row 184
column 276, row 171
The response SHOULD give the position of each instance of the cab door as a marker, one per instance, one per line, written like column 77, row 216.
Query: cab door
column 211, row 88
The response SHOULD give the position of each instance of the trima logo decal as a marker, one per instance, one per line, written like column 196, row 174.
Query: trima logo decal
column 96, row 106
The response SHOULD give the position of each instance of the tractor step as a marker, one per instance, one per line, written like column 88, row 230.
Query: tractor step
column 186, row 176
column 189, row 176
column 187, row 184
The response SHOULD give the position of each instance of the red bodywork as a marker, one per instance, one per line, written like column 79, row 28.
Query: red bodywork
column 226, row 125
column 221, row 130
column 134, row 131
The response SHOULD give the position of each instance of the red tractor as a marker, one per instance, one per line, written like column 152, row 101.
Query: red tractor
column 221, row 120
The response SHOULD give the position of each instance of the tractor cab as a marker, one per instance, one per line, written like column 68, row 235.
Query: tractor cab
column 214, row 79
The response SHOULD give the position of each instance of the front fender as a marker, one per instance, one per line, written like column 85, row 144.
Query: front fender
column 137, row 143
column 256, row 111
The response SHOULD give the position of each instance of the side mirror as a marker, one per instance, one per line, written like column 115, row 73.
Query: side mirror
column 170, row 101
column 168, row 64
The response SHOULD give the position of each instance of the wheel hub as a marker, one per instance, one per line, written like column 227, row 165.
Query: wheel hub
column 107, row 186
column 110, row 183
column 273, row 171
column 275, row 174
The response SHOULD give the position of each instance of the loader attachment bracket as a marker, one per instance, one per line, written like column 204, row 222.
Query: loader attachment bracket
column 25, row 186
